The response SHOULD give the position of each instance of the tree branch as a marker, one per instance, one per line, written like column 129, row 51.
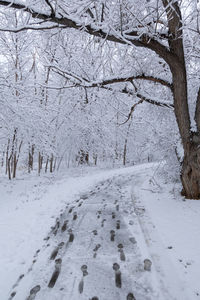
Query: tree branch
column 134, row 37
column 25, row 28
column 115, row 79
column 136, row 77
column 82, row 82
column 131, row 111
column 68, row 23
column 51, row 7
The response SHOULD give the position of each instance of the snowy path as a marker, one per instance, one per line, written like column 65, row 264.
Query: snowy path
column 92, row 252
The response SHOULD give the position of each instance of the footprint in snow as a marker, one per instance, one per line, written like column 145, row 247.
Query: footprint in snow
column 64, row 226
column 118, row 224
column 12, row 295
column 132, row 240
column 112, row 235
column 102, row 223
column 113, row 215
column 55, row 251
column 70, row 210
column 118, row 279
column 75, row 216
column 33, row 292
column 81, row 286
column 18, row 280
column 84, row 270
column 121, row 251
column 81, row 283
column 56, row 227
column 15, row 285
column 98, row 214
column 130, row 296
column 56, row 273
column 84, row 197
column 96, row 249
column 71, row 236
column 36, row 253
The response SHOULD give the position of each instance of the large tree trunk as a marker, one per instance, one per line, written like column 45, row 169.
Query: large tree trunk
column 190, row 174
column 51, row 164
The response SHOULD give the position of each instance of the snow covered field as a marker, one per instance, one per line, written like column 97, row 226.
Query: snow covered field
column 166, row 228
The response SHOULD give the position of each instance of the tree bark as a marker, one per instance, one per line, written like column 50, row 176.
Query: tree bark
column 51, row 164
column 30, row 158
column 8, row 168
column 46, row 165
column 40, row 161
column 190, row 174
column 126, row 142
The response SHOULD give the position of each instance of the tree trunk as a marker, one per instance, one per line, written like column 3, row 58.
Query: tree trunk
column 14, row 165
column 95, row 159
column 2, row 160
column 190, row 175
column 8, row 169
column 124, row 153
column 15, row 160
column 83, row 157
column 126, row 142
column 54, row 165
column 40, row 161
column 30, row 158
column 46, row 165
column 51, row 164
column 7, row 151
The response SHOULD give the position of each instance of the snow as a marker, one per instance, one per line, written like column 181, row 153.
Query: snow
column 166, row 229
column 171, row 226
column 29, row 207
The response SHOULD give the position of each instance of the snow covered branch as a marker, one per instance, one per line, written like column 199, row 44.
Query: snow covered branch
column 83, row 82
column 132, row 110
column 131, row 78
column 113, row 80
column 134, row 37
column 30, row 27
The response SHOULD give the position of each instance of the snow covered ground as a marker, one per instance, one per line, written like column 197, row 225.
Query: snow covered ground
column 171, row 226
column 165, row 227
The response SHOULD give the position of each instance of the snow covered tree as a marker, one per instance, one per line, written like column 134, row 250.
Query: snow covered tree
column 165, row 28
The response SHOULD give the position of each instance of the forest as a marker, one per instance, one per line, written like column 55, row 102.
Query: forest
column 100, row 85
column 128, row 72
